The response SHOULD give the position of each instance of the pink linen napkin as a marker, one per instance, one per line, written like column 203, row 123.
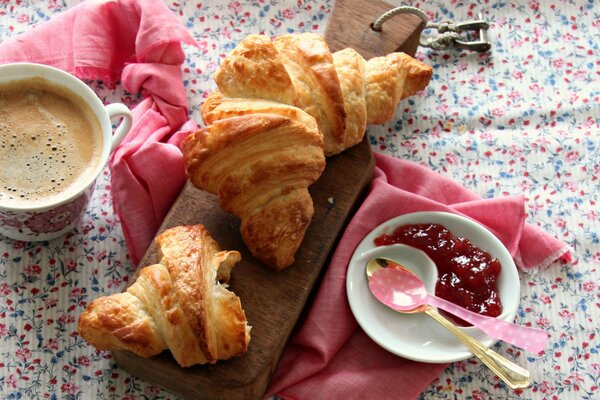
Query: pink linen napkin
column 139, row 43
column 330, row 356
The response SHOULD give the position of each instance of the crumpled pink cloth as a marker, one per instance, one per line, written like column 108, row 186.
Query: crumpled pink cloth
column 139, row 43
column 330, row 356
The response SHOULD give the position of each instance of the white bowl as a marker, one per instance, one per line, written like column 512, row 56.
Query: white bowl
column 417, row 336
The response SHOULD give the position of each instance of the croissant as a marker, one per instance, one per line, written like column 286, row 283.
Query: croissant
column 342, row 91
column 177, row 304
column 280, row 108
column 260, row 165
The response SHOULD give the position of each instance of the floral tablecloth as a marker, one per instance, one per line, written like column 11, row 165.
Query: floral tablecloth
column 523, row 118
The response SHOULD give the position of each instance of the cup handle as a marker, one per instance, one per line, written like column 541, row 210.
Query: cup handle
column 119, row 110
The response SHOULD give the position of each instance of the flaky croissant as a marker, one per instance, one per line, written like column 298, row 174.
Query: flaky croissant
column 280, row 107
column 342, row 91
column 177, row 304
column 260, row 166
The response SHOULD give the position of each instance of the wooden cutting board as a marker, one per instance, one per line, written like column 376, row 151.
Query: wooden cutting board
column 274, row 301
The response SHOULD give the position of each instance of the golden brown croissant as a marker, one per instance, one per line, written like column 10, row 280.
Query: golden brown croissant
column 260, row 164
column 177, row 304
column 342, row 91
column 281, row 106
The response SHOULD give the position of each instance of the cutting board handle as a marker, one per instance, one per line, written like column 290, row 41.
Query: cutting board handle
column 359, row 24
column 351, row 25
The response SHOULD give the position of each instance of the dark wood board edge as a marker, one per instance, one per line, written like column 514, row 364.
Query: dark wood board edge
column 203, row 381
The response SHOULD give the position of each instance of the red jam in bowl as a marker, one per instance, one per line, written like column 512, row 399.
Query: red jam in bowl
column 467, row 275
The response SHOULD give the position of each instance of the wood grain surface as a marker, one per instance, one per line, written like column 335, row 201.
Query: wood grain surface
column 273, row 301
column 350, row 26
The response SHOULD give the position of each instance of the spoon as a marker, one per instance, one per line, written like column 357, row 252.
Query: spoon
column 401, row 289
column 513, row 375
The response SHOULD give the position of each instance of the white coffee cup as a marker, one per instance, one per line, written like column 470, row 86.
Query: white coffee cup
column 61, row 213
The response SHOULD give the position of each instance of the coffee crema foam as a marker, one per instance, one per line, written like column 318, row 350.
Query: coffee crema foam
column 50, row 141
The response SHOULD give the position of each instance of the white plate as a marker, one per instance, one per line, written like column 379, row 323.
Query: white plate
column 417, row 336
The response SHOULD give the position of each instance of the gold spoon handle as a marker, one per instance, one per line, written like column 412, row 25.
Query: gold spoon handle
column 515, row 376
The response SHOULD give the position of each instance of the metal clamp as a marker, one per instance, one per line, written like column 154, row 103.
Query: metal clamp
column 481, row 44
column 450, row 35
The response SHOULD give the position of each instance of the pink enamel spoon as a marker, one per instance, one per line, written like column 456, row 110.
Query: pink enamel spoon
column 400, row 289
column 379, row 271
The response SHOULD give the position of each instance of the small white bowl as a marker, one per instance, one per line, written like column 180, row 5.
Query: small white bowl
column 417, row 336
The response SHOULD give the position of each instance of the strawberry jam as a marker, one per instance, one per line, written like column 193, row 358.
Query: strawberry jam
column 467, row 275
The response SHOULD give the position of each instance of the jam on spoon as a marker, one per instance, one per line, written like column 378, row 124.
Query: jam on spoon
column 467, row 275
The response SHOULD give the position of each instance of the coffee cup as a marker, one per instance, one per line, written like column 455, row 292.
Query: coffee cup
column 56, row 137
